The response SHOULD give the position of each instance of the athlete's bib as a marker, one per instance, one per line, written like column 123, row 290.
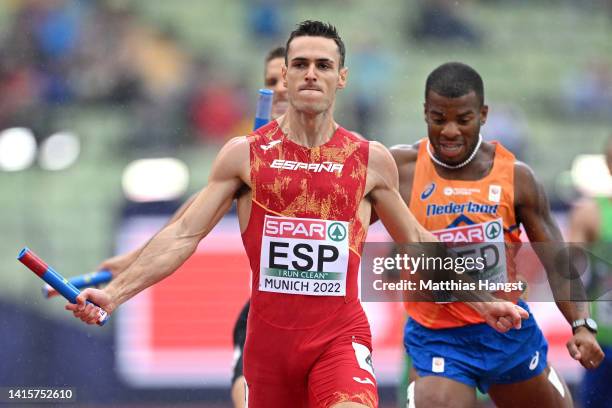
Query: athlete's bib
column 484, row 241
column 303, row 256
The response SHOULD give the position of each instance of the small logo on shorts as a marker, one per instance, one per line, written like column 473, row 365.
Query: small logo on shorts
column 534, row 361
column 437, row 364
column 363, row 381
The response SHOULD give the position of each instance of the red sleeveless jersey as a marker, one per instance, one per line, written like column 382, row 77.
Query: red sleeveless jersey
column 476, row 212
column 304, row 237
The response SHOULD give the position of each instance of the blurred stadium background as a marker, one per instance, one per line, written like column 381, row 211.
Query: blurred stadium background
column 88, row 89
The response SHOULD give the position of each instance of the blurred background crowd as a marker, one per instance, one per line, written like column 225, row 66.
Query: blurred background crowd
column 91, row 89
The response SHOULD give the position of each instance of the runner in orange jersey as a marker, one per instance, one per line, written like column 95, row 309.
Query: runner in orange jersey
column 464, row 189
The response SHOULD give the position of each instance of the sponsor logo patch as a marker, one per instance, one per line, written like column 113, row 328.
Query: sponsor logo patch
column 534, row 361
column 428, row 191
column 329, row 167
column 456, row 208
column 437, row 364
column 495, row 193
column 270, row 145
column 363, row 380
column 460, row 191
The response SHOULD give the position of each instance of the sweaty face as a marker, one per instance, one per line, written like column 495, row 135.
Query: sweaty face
column 453, row 125
column 273, row 80
column 313, row 74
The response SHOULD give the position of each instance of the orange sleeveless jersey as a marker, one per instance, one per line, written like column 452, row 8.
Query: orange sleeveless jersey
column 463, row 211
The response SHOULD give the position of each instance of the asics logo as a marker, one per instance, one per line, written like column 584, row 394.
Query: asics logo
column 534, row 361
column 363, row 381
column 428, row 190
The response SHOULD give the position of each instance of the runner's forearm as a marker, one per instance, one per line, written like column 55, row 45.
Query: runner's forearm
column 158, row 259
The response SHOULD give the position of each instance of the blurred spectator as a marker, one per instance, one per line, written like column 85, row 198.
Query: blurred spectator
column 589, row 91
column 507, row 124
column 217, row 108
column 265, row 19
column 104, row 70
column 19, row 89
column 72, row 51
column 50, row 32
column 158, row 60
column 370, row 78
column 440, row 20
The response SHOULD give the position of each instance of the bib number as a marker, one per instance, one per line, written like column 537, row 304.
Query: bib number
column 484, row 241
column 304, row 256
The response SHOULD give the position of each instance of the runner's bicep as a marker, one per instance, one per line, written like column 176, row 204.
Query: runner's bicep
column 382, row 171
column 208, row 207
column 232, row 162
column 213, row 201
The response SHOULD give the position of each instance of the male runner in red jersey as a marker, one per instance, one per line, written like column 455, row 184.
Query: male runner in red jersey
column 305, row 189
column 454, row 182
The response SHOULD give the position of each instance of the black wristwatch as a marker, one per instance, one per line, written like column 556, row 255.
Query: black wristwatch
column 589, row 323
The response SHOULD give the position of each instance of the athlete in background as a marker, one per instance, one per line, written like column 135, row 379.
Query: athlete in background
column 274, row 62
column 452, row 350
column 591, row 222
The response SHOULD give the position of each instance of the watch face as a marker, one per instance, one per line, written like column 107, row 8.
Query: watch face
column 591, row 324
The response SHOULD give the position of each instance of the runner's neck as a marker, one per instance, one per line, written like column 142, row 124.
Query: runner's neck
column 308, row 130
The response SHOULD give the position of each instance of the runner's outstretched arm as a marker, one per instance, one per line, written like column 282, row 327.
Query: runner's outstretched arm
column 169, row 248
column 119, row 263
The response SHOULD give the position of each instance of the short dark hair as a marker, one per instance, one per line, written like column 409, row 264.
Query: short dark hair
column 278, row 52
column 310, row 28
column 453, row 80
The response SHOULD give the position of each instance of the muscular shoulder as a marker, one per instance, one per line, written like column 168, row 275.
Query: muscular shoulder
column 381, row 167
column 380, row 157
column 526, row 187
column 237, row 148
column 405, row 157
column 233, row 160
